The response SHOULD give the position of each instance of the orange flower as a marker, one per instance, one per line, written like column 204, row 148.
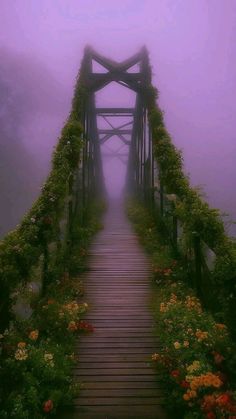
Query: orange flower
column 51, row 302
column 72, row 326
column 220, row 326
column 201, row 335
column 21, row 345
column 34, row 335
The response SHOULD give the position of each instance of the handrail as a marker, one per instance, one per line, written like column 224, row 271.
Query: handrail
column 23, row 247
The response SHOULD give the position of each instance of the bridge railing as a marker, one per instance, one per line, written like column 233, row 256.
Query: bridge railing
column 199, row 258
column 40, row 242
column 191, row 222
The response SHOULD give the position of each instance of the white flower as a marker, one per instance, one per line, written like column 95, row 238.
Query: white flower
column 68, row 142
column 48, row 357
column 32, row 220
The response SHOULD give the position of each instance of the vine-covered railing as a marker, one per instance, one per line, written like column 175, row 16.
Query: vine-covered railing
column 196, row 230
column 43, row 237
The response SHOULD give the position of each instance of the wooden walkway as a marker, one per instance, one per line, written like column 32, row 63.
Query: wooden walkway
column 114, row 361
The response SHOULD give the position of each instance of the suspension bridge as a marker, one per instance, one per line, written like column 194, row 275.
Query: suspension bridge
column 118, row 379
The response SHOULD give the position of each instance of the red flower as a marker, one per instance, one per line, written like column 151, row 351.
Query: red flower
column 47, row 220
column 211, row 415
column 218, row 358
column 175, row 373
column 223, row 399
column 222, row 377
column 84, row 326
column 48, row 406
column 184, row 384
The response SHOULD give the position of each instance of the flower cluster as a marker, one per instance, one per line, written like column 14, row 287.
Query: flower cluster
column 84, row 326
column 204, row 380
column 164, row 307
column 193, row 303
column 219, row 405
column 187, row 330
column 162, row 272
column 200, row 335
column 21, row 354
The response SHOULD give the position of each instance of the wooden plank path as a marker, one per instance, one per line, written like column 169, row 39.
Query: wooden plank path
column 114, row 361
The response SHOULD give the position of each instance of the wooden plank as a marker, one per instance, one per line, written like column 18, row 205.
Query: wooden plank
column 127, row 392
column 119, row 378
column 114, row 362
column 116, row 412
column 109, row 365
column 122, row 385
column 118, row 401
column 114, row 371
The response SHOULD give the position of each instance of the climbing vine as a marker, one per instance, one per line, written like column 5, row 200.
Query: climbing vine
column 21, row 248
column 195, row 215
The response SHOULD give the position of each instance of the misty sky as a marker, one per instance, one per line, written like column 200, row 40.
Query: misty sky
column 193, row 54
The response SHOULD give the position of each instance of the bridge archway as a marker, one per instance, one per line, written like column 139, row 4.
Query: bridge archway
column 102, row 126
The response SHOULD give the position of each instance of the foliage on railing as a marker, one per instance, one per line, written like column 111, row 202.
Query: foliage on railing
column 21, row 248
column 197, row 360
column 196, row 217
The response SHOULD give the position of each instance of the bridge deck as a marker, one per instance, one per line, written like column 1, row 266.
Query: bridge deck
column 114, row 361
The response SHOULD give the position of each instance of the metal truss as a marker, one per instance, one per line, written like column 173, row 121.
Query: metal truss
column 134, row 134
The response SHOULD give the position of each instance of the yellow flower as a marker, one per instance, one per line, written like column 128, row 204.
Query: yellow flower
column 186, row 343
column 163, row 308
column 155, row 357
column 21, row 354
column 21, row 345
column 34, row 335
column 177, row 345
column 194, row 366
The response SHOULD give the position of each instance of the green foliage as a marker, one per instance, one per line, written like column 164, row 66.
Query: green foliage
column 195, row 215
column 197, row 360
column 21, row 248
column 36, row 355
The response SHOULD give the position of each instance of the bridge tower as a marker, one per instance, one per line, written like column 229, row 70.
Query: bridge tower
column 135, row 134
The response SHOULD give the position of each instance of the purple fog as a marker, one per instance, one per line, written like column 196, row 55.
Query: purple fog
column 193, row 55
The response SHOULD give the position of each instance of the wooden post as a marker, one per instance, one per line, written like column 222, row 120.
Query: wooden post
column 175, row 230
column 161, row 199
column 5, row 309
column 198, row 263
column 45, row 269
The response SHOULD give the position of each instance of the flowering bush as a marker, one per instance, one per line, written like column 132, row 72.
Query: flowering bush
column 196, row 358
column 197, row 361
column 37, row 357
